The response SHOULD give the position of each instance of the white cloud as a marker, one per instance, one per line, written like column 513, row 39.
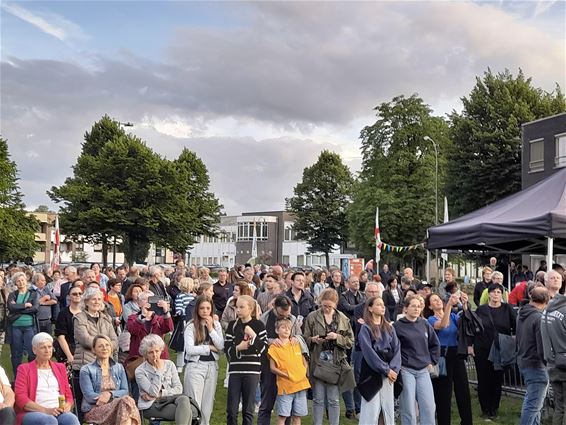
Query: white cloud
column 259, row 101
column 51, row 24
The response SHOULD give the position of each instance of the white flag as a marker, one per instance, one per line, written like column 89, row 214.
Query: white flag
column 444, row 253
column 254, row 242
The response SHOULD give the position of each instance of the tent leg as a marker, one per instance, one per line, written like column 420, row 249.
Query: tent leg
column 549, row 252
column 428, row 266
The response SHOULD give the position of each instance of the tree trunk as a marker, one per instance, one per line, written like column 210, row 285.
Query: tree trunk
column 129, row 249
column 327, row 256
column 104, row 251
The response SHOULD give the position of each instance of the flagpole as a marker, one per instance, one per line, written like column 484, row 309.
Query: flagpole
column 377, row 242
column 444, row 254
column 56, row 249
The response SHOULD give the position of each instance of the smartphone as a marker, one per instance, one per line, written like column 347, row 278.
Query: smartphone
column 154, row 307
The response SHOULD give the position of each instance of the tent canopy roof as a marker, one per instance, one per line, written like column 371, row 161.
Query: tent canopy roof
column 519, row 223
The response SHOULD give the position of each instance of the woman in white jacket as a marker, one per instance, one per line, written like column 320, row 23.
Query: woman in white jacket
column 203, row 344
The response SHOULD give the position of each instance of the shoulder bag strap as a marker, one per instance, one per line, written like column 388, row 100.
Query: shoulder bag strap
column 549, row 339
column 495, row 332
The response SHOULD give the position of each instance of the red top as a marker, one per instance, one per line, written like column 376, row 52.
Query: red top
column 518, row 293
column 159, row 326
column 26, row 385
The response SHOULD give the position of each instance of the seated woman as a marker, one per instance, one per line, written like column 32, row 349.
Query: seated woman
column 7, row 399
column 43, row 394
column 161, row 392
column 105, row 388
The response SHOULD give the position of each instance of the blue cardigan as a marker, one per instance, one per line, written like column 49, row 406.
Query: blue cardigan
column 91, row 380
column 371, row 346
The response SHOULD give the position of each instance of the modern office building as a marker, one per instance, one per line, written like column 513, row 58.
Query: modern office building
column 544, row 148
column 276, row 243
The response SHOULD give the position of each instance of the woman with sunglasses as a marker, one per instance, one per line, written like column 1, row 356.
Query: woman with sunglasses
column 64, row 329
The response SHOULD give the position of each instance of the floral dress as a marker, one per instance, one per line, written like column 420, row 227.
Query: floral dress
column 120, row 411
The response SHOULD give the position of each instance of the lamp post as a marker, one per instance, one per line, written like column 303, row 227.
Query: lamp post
column 429, row 139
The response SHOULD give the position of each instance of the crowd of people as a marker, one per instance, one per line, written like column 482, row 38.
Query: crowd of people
column 95, row 343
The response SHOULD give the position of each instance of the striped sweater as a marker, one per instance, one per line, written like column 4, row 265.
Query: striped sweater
column 247, row 361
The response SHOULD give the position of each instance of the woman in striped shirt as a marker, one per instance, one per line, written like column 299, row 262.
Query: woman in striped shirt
column 245, row 343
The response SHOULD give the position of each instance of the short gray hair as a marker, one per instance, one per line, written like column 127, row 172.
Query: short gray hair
column 36, row 277
column 154, row 269
column 41, row 338
column 88, row 294
column 150, row 341
column 16, row 275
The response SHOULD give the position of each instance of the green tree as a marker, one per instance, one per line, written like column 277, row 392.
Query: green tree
column 319, row 204
column 42, row 209
column 125, row 189
column 17, row 227
column 398, row 175
column 485, row 162
column 83, row 217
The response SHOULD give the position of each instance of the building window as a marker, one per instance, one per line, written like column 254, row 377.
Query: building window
column 536, row 162
column 290, row 234
column 246, row 231
column 300, row 260
column 285, row 259
column 560, row 150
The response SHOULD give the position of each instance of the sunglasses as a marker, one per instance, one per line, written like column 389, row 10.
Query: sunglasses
column 76, row 293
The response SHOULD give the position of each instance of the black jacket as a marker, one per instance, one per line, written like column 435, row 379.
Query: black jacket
column 348, row 302
column 304, row 306
column 390, row 303
column 529, row 339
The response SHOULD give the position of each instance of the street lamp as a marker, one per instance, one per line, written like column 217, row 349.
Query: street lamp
column 428, row 139
column 126, row 124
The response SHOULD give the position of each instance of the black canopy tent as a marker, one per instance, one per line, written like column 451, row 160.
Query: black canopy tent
column 530, row 221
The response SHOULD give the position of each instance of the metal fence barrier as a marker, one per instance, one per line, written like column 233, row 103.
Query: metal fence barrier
column 513, row 385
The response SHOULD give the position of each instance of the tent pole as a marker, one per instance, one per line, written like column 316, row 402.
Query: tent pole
column 428, row 265
column 549, row 252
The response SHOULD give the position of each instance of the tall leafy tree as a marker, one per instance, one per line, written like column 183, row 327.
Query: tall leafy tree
column 131, row 192
column 319, row 204
column 485, row 162
column 398, row 175
column 17, row 228
column 83, row 217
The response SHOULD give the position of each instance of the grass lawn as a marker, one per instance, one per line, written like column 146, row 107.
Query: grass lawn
column 510, row 409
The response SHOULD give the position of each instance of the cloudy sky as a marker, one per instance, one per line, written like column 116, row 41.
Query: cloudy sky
column 256, row 89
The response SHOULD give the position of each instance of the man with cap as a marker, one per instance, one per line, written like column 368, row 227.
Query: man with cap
column 424, row 289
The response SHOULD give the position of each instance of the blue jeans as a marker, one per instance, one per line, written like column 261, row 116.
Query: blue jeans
column 20, row 342
column 536, row 381
column 417, row 386
column 37, row 418
column 320, row 392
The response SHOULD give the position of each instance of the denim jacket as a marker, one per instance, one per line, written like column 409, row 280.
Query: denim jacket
column 91, row 380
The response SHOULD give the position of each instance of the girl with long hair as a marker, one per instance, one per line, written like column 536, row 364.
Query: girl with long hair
column 203, row 345
column 245, row 343
column 445, row 323
column 420, row 350
column 382, row 354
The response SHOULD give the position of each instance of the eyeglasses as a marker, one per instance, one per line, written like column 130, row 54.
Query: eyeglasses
column 76, row 293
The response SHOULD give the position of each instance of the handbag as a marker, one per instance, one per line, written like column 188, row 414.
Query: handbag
column 177, row 341
column 370, row 383
column 327, row 371
column 161, row 402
